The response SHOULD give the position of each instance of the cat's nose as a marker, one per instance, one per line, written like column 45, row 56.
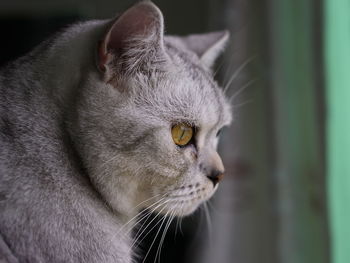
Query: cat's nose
column 215, row 176
column 215, row 168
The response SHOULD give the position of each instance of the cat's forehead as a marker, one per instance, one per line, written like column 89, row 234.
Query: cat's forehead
column 185, row 92
column 198, row 87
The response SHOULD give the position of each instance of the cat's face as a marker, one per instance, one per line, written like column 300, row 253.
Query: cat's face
column 184, row 101
column 158, row 114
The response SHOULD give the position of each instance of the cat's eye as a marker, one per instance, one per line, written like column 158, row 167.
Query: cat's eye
column 218, row 133
column 182, row 134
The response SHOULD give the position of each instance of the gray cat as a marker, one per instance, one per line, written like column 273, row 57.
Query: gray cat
column 100, row 121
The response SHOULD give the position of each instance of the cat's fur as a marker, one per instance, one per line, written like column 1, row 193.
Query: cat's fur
column 85, row 136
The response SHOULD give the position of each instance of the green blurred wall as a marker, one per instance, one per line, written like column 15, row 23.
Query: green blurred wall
column 300, row 175
column 337, row 55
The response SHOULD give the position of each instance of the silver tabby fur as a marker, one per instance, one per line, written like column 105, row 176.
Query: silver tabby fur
column 81, row 147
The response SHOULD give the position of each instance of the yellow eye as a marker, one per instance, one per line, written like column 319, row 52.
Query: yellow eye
column 182, row 134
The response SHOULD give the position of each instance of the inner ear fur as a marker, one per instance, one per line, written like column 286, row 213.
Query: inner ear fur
column 133, row 39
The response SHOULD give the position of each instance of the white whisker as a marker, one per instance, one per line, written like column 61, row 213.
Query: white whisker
column 237, row 106
column 137, row 242
column 237, row 72
column 209, row 224
column 229, row 66
column 163, row 236
column 147, row 200
column 147, row 214
column 241, row 89
column 177, row 225
column 138, row 214
column 180, row 226
column 155, row 237
column 139, row 234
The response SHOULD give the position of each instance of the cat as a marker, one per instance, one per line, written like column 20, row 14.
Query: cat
column 100, row 121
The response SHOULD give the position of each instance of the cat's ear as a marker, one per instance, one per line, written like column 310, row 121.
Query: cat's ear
column 134, row 39
column 207, row 46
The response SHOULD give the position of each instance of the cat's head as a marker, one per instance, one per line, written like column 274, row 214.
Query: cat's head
column 150, row 115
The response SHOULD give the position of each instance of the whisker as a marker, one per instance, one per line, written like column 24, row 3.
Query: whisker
column 138, row 234
column 121, row 229
column 198, row 229
column 137, row 242
column 237, row 106
column 178, row 222
column 237, row 72
column 147, row 214
column 230, row 65
column 155, row 237
column 222, row 62
column 177, row 225
column 163, row 236
column 209, row 202
column 241, row 90
column 137, row 215
column 209, row 223
column 180, row 226
column 148, row 200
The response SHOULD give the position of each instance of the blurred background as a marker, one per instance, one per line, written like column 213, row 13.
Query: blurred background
column 286, row 195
